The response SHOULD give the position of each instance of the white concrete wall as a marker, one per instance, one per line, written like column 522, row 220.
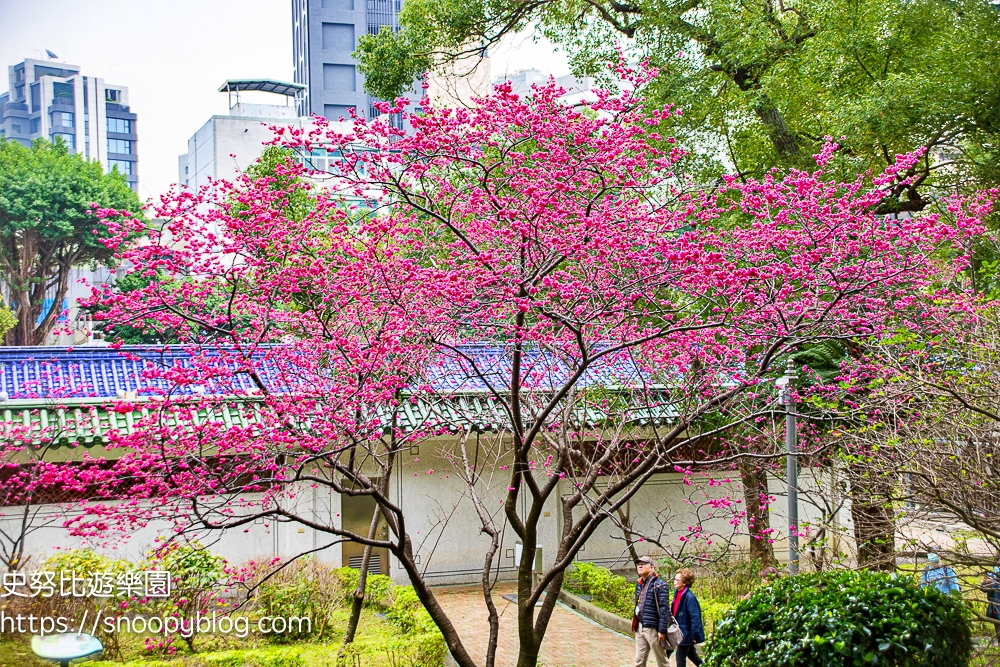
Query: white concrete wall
column 445, row 529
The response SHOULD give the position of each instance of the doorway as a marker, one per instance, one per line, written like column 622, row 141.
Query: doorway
column 356, row 512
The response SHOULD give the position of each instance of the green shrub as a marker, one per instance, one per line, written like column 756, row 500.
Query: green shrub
column 196, row 583
column 82, row 563
column 712, row 611
column 377, row 586
column 424, row 650
column 608, row 591
column 305, row 589
column 408, row 613
column 725, row 576
column 377, row 589
column 262, row 657
column 844, row 618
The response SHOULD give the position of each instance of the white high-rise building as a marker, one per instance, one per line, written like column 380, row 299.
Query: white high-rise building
column 226, row 145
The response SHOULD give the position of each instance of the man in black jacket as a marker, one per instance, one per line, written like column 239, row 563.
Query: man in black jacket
column 652, row 614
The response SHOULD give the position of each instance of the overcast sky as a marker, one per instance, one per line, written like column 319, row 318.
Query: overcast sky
column 174, row 55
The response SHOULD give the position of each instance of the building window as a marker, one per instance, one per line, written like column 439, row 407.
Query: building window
column 119, row 125
column 120, row 146
column 16, row 128
column 338, row 36
column 340, row 78
column 36, row 125
column 343, row 5
column 123, row 166
column 112, row 95
column 63, row 92
column 62, row 119
column 335, row 112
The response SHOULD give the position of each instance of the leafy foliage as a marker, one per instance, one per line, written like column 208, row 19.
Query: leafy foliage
column 273, row 171
column 140, row 332
column 8, row 320
column 841, row 617
column 761, row 83
column 78, row 565
column 609, row 591
column 48, row 226
column 196, row 581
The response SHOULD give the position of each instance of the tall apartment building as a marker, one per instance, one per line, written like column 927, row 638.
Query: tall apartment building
column 52, row 100
column 325, row 34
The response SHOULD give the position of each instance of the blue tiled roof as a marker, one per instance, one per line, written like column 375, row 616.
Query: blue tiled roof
column 492, row 364
column 102, row 372
column 96, row 372
column 62, row 394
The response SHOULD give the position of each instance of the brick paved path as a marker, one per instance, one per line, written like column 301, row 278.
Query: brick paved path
column 570, row 641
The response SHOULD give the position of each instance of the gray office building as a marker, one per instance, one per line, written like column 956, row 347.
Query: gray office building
column 53, row 100
column 325, row 34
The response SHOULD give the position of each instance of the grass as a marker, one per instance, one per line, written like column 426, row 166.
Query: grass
column 15, row 650
column 377, row 643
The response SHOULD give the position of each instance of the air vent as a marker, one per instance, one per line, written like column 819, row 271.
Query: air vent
column 374, row 563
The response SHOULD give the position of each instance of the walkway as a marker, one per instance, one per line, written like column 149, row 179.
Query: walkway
column 570, row 641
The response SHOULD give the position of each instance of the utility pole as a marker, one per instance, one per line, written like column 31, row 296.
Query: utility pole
column 787, row 386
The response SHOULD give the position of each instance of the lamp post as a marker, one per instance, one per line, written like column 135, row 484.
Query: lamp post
column 787, row 384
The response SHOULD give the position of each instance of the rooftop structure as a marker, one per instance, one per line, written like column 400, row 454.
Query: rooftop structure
column 56, row 101
column 262, row 85
column 36, row 385
column 227, row 144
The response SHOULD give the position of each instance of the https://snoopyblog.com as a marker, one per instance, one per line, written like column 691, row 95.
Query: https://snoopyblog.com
column 149, row 585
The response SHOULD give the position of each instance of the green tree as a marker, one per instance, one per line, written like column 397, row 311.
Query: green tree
column 47, row 228
column 761, row 82
column 276, row 167
column 142, row 332
column 7, row 320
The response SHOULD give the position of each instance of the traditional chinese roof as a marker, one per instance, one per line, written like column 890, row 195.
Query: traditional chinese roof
column 60, row 373
column 79, row 395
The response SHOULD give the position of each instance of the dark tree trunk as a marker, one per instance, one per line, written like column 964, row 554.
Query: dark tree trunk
column 754, row 479
column 625, row 516
column 777, row 129
column 359, row 593
column 874, row 528
column 433, row 607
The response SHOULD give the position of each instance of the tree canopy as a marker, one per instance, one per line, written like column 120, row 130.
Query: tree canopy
column 526, row 263
column 48, row 226
column 762, row 82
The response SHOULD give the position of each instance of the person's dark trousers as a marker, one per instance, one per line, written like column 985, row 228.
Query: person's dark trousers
column 685, row 652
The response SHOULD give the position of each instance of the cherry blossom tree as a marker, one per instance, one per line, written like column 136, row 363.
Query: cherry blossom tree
column 35, row 478
column 526, row 286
